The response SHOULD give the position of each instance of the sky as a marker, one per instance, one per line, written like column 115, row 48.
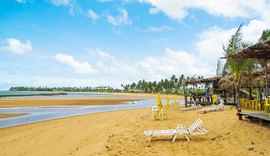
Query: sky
column 113, row 42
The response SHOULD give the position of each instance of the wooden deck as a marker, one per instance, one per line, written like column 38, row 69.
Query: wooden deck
column 261, row 116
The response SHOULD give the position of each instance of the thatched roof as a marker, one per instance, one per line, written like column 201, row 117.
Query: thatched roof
column 199, row 81
column 259, row 81
column 260, row 50
column 227, row 82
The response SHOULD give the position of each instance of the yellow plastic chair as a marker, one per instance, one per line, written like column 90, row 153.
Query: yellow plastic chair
column 214, row 99
column 257, row 105
column 175, row 101
column 242, row 102
column 247, row 103
column 253, row 103
column 267, row 105
column 160, row 107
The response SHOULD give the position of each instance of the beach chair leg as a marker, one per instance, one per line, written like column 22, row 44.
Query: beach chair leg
column 149, row 139
column 187, row 137
column 174, row 137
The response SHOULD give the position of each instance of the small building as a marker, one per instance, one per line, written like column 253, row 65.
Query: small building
column 193, row 93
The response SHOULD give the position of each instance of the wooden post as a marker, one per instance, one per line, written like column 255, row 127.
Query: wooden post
column 266, row 79
column 234, row 101
column 260, row 95
column 185, row 94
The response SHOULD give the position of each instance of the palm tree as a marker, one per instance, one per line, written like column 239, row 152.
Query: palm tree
column 219, row 68
column 235, row 67
column 265, row 35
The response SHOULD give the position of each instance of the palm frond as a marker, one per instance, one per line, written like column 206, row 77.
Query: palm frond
column 265, row 35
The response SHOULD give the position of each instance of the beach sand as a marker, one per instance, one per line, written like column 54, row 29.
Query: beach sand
column 121, row 133
column 10, row 115
column 27, row 102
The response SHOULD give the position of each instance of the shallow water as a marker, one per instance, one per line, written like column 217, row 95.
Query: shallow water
column 36, row 114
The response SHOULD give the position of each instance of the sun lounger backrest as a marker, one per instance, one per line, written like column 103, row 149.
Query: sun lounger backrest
column 221, row 102
column 195, row 125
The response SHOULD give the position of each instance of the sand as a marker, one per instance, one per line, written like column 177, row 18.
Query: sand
column 10, row 115
column 27, row 102
column 121, row 133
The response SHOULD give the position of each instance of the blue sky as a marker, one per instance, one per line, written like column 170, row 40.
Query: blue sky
column 106, row 42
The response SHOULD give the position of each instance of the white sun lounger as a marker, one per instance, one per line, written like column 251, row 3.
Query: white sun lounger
column 218, row 107
column 195, row 129
column 180, row 130
column 164, row 132
column 192, row 107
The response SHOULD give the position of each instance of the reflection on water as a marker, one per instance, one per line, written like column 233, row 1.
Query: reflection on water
column 44, row 113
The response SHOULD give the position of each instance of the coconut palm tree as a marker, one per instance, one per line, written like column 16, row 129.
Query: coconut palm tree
column 235, row 67
column 263, row 62
column 265, row 35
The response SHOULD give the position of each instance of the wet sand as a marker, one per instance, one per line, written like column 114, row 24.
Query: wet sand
column 27, row 102
column 10, row 115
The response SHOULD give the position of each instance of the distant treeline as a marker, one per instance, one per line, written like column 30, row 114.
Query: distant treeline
column 67, row 89
column 172, row 85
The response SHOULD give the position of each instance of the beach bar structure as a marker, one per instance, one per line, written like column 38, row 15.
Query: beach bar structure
column 261, row 52
column 205, row 98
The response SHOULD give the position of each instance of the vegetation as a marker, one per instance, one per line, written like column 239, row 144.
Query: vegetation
column 172, row 85
column 234, row 70
column 235, row 67
column 67, row 89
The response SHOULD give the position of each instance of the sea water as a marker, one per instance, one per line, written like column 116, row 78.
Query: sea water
column 36, row 114
column 69, row 94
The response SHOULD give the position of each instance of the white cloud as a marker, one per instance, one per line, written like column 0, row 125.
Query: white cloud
column 209, row 45
column 121, row 19
column 159, row 29
column 16, row 46
column 21, row 1
column 151, row 68
column 174, row 62
column 71, row 4
column 252, row 32
column 61, row 2
column 92, row 15
column 178, row 9
column 80, row 67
